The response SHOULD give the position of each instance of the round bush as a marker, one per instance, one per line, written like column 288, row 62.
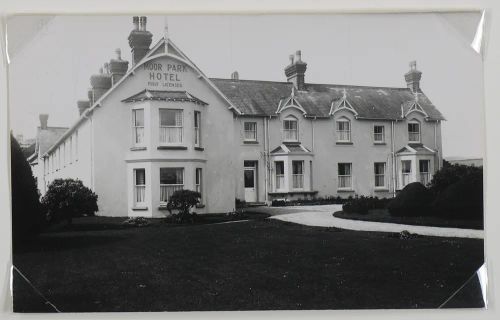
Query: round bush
column 463, row 199
column 414, row 200
column 68, row 198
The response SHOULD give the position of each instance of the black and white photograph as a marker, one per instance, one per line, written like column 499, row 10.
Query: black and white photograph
column 246, row 162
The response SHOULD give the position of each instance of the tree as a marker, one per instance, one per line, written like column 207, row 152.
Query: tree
column 69, row 198
column 27, row 213
column 183, row 201
column 450, row 174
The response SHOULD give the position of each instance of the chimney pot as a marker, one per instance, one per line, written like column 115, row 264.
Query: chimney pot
column 135, row 21
column 118, row 52
column 291, row 58
column 298, row 54
column 235, row 75
column 43, row 120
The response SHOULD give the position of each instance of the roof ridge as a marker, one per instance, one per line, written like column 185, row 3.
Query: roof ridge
column 251, row 80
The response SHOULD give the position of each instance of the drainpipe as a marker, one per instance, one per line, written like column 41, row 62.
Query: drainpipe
column 393, row 161
column 266, row 177
column 436, row 146
column 269, row 165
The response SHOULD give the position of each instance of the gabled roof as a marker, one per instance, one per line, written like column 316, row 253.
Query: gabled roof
column 45, row 138
column 288, row 148
column 261, row 98
column 415, row 148
column 164, row 96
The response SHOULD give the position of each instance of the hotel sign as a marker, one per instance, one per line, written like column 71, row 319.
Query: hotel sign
column 164, row 75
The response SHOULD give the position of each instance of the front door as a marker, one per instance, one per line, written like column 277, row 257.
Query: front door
column 249, row 177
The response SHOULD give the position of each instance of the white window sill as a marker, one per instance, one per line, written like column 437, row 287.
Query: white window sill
column 171, row 147
column 139, row 208
column 381, row 189
column 379, row 142
column 345, row 190
column 138, row 148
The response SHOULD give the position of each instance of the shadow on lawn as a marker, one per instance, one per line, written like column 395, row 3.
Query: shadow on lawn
column 67, row 241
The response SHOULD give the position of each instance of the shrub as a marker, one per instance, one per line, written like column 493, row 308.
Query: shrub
column 69, row 198
column 463, row 199
column 136, row 222
column 450, row 174
column 414, row 200
column 183, row 201
column 27, row 214
column 363, row 205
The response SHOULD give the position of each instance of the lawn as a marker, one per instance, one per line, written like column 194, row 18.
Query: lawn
column 383, row 215
column 247, row 265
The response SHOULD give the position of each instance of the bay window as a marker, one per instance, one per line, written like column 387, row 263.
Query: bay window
column 170, row 126
column 138, row 127
column 171, row 180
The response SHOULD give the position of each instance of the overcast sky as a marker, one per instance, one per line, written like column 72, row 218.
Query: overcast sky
column 52, row 59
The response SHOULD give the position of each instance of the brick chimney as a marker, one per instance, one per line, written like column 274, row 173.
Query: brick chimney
column 296, row 70
column 117, row 67
column 413, row 77
column 235, row 75
column 139, row 39
column 44, row 118
column 100, row 83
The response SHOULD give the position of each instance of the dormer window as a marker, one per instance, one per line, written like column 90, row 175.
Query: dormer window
column 343, row 130
column 414, row 131
column 290, row 129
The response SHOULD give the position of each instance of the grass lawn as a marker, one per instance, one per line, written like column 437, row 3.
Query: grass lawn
column 247, row 265
column 382, row 215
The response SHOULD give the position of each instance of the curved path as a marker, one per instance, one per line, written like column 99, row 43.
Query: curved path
column 321, row 216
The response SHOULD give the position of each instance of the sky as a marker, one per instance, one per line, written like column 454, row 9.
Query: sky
column 52, row 59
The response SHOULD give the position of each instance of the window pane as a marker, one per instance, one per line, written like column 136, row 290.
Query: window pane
column 379, row 168
column 297, row 167
column 171, row 176
column 379, row 129
column 344, row 169
column 249, row 178
column 196, row 119
column 140, row 177
column 280, row 167
column 139, row 117
column 424, row 165
column 170, row 118
column 406, row 166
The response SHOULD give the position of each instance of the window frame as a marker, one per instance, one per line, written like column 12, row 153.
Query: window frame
column 197, row 129
column 279, row 176
column 339, row 176
column 404, row 173
column 164, row 203
column 382, row 141
column 427, row 173
column 135, row 127
column 384, row 167
column 339, row 132
column 245, row 131
column 136, row 186
column 410, row 133
column 198, row 182
column 290, row 119
column 181, row 127
column 298, row 175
